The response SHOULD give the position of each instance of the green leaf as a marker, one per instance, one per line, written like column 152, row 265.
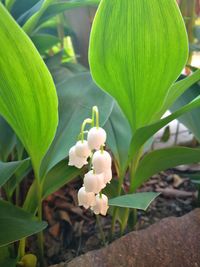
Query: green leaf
column 7, row 169
column 60, row 175
column 77, row 95
column 136, row 53
column 20, row 173
column 44, row 42
column 16, row 224
column 22, row 6
column 28, row 99
column 32, row 22
column 7, row 139
column 119, row 137
column 144, row 133
column 178, row 88
column 191, row 119
column 21, row 20
column 163, row 159
column 134, row 201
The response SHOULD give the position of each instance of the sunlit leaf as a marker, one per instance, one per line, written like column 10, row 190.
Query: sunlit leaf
column 28, row 99
column 144, row 133
column 137, row 50
column 191, row 119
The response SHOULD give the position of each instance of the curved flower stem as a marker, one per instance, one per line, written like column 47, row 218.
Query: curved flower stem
column 101, row 230
column 95, row 113
column 85, row 122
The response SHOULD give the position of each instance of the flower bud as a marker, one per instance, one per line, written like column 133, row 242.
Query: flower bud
column 101, row 161
column 76, row 161
column 96, row 138
column 101, row 206
column 29, row 260
column 86, row 199
column 93, row 182
column 107, row 176
column 82, row 149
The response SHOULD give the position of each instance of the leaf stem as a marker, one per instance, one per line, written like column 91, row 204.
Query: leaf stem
column 22, row 246
column 115, row 212
column 40, row 234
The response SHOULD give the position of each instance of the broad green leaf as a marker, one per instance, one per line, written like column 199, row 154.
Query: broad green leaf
column 144, row 133
column 178, row 88
column 16, row 224
column 191, row 119
column 140, row 200
column 137, row 50
column 163, row 159
column 9, row 4
column 77, row 95
column 7, row 140
column 60, row 175
column 118, row 137
column 28, row 99
column 7, row 169
column 44, row 42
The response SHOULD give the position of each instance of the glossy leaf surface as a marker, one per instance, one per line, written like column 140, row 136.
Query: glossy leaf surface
column 135, row 201
column 137, row 50
column 28, row 99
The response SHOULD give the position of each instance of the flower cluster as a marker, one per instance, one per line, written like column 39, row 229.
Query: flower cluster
column 100, row 173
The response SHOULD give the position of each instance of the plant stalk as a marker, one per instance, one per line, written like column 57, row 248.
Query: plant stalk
column 22, row 246
column 40, row 234
column 101, row 230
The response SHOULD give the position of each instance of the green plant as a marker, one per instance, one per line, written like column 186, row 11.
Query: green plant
column 28, row 102
column 139, row 68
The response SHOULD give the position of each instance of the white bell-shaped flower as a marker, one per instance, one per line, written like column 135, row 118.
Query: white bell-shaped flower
column 101, row 205
column 82, row 149
column 107, row 176
column 94, row 182
column 86, row 199
column 96, row 138
column 76, row 161
column 101, row 161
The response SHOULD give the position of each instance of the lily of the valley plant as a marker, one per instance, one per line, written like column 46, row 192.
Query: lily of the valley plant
column 137, row 51
column 100, row 173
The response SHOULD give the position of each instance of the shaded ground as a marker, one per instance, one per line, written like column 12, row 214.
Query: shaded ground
column 73, row 230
